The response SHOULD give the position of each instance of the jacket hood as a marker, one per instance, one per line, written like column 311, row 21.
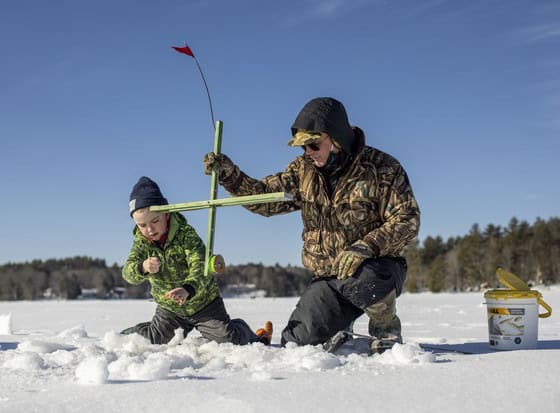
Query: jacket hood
column 326, row 115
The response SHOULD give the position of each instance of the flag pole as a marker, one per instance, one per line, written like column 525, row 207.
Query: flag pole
column 214, row 123
column 187, row 50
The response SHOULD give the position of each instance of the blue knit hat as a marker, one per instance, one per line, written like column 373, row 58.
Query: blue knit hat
column 145, row 193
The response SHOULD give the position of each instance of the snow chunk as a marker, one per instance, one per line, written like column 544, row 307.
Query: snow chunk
column 92, row 371
column 60, row 358
column 131, row 343
column 6, row 324
column 178, row 337
column 25, row 361
column 309, row 358
column 74, row 333
column 155, row 366
column 406, row 354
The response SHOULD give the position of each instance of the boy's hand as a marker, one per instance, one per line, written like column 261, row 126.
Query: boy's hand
column 151, row 265
column 179, row 295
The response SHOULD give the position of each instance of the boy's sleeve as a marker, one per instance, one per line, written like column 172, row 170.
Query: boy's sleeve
column 132, row 272
column 195, row 251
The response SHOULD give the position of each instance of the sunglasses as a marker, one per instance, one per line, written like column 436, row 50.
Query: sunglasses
column 314, row 147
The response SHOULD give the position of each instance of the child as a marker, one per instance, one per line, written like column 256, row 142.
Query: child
column 169, row 254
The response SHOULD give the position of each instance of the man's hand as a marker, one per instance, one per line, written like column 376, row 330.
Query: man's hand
column 151, row 265
column 348, row 261
column 225, row 166
column 179, row 295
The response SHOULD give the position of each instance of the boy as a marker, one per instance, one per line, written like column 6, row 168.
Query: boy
column 169, row 254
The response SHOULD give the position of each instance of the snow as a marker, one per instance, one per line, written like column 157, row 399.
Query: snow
column 68, row 356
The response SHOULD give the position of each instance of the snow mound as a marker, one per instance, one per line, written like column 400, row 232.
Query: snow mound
column 153, row 366
column 406, row 354
column 74, row 333
column 6, row 324
column 25, row 361
column 92, row 371
column 115, row 357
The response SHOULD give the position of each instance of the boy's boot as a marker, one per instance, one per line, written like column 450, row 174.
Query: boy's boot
column 384, row 325
column 265, row 334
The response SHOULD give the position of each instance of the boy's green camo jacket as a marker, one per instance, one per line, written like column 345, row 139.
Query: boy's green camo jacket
column 182, row 265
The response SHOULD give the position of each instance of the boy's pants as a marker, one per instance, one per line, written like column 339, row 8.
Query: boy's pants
column 212, row 322
column 330, row 305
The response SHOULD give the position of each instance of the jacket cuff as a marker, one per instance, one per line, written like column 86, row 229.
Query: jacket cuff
column 373, row 245
column 190, row 289
column 141, row 270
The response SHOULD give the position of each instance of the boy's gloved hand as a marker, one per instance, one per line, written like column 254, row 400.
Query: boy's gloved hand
column 226, row 167
column 348, row 261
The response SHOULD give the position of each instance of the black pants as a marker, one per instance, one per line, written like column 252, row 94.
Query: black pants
column 213, row 322
column 330, row 305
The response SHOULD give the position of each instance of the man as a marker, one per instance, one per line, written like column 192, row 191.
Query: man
column 359, row 214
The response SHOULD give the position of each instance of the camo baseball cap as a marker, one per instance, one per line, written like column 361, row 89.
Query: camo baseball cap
column 304, row 137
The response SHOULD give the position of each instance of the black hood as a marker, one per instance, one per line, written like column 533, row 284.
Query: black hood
column 329, row 116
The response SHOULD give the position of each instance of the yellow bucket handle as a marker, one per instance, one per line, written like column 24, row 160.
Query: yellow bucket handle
column 513, row 282
column 545, row 305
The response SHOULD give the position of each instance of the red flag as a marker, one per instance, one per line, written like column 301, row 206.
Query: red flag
column 186, row 50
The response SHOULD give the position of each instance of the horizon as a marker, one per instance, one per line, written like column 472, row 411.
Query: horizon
column 465, row 96
column 445, row 240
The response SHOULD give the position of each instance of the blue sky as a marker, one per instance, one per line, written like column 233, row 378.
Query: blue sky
column 465, row 94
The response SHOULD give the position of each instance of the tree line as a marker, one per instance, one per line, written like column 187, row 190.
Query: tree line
column 457, row 264
column 85, row 277
column 467, row 263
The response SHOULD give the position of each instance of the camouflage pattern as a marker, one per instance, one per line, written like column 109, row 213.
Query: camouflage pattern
column 303, row 138
column 373, row 202
column 384, row 325
column 383, row 320
column 182, row 262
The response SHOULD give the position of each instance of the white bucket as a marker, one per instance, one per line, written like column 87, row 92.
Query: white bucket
column 513, row 318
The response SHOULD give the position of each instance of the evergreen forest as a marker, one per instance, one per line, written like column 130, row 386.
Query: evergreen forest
column 463, row 263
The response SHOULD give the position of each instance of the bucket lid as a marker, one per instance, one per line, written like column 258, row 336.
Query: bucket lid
column 518, row 289
column 503, row 294
column 511, row 280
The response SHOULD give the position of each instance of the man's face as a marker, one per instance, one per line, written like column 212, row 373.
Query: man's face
column 151, row 224
column 320, row 149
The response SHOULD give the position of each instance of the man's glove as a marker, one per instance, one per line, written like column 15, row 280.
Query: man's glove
column 226, row 168
column 348, row 261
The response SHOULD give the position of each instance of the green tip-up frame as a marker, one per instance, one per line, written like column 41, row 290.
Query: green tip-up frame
column 213, row 203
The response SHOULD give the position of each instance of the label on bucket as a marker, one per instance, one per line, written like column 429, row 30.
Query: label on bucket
column 506, row 321
column 512, row 324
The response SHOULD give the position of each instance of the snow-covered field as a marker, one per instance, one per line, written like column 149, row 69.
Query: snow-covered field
column 67, row 357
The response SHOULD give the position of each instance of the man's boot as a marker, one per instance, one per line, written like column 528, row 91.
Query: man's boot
column 384, row 325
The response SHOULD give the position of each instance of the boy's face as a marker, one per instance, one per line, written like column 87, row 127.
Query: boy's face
column 151, row 224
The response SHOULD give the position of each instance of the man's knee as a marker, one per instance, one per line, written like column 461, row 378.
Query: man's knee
column 320, row 313
column 298, row 332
